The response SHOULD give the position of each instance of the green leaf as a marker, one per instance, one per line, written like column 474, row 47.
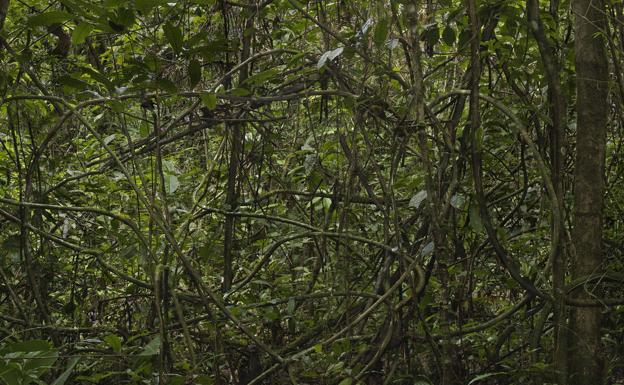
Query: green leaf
column 98, row 77
column 40, row 362
column 123, row 17
column 483, row 377
column 428, row 249
column 211, row 48
column 145, row 129
column 109, row 139
column 152, row 62
column 152, row 348
column 464, row 37
column 96, row 378
column 174, row 36
column 418, row 199
column 329, row 55
column 475, row 218
column 10, row 374
column 113, row 3
column 457, row 201
column 171, row 183
column 146, row 6
column 261, row 77
column 117, row 106
column 114, row 342
column 49, row 18
column 449, row 36
column 27, row 346
column 240, row 91
column 65, row 375
column 203, row 380
column 81, row 32
column 381, row 32
column 176, row 379
column 195, row 72
column 346, row 381
column 290, row 309
column 166, row 85
column 432, row 35
column 271, row 315
column 205, row 251
column 209, row 100
column 73, row 82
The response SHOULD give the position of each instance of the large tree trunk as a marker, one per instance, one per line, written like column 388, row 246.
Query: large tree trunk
column 592, row 112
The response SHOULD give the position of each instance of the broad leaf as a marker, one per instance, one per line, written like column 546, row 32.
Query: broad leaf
column 195, row 72
column 418, row 199
column 81, row 32
column 49, row 18
column 174, row 36
column 381, row 32
column 209, row 100
column 65, row 375
column 329, row 55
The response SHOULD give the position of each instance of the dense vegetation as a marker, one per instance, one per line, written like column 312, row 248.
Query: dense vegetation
column 311, row 192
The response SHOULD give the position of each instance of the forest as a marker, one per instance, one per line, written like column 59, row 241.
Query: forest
column 303, row 192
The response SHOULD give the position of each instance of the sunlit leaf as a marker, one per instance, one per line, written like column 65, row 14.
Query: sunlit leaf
column 418, row 199
column 209, row 100
column 171, row 183
column 329, row 55
column 114, row 342
column 81, row 32
column 152, row 348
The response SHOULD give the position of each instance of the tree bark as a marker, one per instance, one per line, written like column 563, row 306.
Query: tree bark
column 557, row 113
column 592, row 78
column 237, row 139
column 4, row 9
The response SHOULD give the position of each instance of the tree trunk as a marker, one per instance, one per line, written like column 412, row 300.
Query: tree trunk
column 592, row 111
column 556, row 129
column 231, row 197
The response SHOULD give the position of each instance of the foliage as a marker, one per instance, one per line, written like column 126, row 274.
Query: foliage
column 198, row 191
